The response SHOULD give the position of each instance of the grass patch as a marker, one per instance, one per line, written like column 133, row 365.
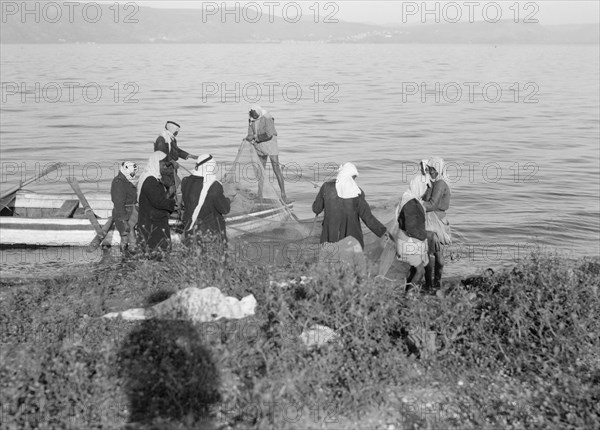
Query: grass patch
column 520, row 352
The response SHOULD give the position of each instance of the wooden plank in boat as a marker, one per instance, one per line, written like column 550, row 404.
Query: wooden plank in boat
column 27, row 199
column 67, row 209
column 94, row 195
column 26, row 202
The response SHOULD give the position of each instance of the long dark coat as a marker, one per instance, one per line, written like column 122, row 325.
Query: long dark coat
column 342, row 216
column 155, row 209
column 210, row 219
column 124, row 196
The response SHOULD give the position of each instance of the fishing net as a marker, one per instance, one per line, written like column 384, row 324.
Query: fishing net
column 262, row 227
column 251, row 188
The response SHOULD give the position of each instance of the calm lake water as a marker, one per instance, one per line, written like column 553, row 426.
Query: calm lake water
column 518, row 126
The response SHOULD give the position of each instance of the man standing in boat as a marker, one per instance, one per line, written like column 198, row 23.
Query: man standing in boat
column 167, row 143
column 263, row 136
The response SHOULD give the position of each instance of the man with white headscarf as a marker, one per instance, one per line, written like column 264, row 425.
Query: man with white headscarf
column 437, row 201
column 155, row 206
column 263, row 136
column 345, row 205
column 411, row 220
column 124, row 197
column 205, row 204
column 166, row 142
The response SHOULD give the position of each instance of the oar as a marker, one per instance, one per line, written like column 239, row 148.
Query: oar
column 97, row 241
column 86, row 206
column 100, row 231
column 6, row 197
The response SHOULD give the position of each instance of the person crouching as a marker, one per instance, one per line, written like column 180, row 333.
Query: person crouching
column 205, row 204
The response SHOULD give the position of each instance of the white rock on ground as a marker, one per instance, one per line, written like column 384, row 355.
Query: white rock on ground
column 194, row 304
column 318, row 335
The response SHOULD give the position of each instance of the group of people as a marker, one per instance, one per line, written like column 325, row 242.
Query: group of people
column 423, row 207
column 141, row 212
column 344, row 204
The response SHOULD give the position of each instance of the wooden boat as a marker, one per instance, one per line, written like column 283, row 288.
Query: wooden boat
column 36, row 219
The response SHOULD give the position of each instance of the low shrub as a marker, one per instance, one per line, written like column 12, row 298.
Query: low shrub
column 520, row 351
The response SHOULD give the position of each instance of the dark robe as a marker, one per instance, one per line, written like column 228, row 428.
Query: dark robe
column 437, row 199
column 412, row 220
column 155, row 209
column 124, row 196
column 175, row 153
column 210, row 219
column 169, row 171
column 342, row 216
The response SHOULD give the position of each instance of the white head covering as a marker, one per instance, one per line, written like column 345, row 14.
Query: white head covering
column 206, row 167
column 439, row 165
column 416, row 189
column 258, row 109
column 168, row 136
column 152, row 169
column 169, row 132
column 129, row 169
column 172, row 127
column 423, row 169
column 254, row 122
column 344, row 182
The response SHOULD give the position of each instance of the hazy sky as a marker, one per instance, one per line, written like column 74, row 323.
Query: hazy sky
column 411, row 12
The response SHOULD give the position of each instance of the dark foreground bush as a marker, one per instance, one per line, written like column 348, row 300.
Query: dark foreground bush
column 527, row 342
column 520, row 352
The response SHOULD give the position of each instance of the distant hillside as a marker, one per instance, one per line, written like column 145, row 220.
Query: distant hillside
column 187, row 26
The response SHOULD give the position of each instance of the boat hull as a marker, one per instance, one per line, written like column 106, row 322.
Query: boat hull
column 22, row 231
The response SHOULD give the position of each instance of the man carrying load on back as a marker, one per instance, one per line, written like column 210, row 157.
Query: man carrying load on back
column 263, row 136
column 167, row 143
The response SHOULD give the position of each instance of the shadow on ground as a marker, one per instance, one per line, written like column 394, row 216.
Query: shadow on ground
column 169, row 374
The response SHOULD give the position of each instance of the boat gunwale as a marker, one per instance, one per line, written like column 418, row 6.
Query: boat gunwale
column 252, row 221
